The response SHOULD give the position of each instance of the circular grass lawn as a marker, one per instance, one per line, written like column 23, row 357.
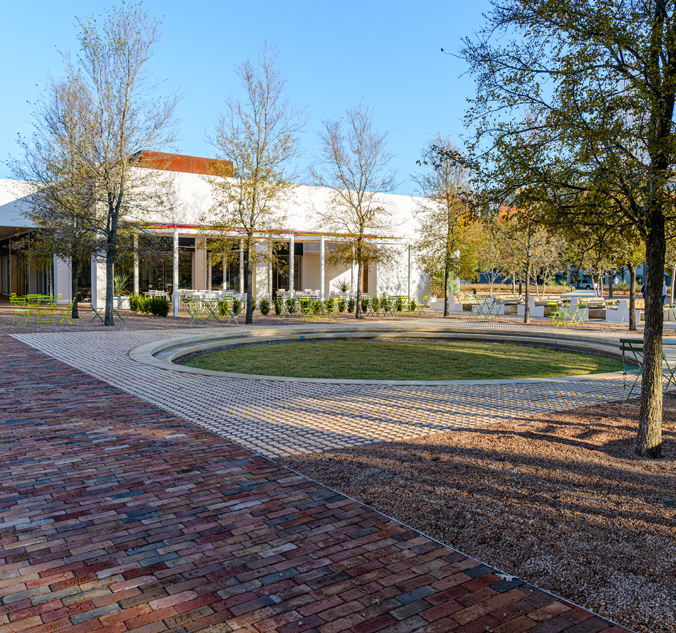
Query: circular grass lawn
column 403, row 360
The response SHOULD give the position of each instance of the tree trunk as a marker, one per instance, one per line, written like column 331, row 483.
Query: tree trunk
column 110, row 272
column 632, row 298
column 526, row 312
column 649, row 438
column 513, row 284
column 610, row 286
column 248, row 276
column 673, row 283
column 74, row 275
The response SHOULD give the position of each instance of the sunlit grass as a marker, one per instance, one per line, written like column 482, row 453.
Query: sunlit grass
column 403, row 360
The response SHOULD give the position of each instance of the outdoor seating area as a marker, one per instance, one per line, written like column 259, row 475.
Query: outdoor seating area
column 42, row 308
column 309, row 307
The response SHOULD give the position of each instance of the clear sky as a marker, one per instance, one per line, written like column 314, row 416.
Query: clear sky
column 335, row 54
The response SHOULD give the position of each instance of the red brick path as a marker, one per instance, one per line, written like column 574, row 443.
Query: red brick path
column 116, row 516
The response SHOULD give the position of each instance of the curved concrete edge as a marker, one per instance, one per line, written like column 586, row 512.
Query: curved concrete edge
column 147, row 353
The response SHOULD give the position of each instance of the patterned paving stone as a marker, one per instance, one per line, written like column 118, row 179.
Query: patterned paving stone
column 282, row 418
column 118, row 516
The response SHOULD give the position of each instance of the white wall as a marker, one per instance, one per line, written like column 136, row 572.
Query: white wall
column 310, row 276
column 62, row 280
column 98, row 283
column 188, row 199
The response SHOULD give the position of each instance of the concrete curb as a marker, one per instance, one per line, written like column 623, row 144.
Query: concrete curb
column 161, row 354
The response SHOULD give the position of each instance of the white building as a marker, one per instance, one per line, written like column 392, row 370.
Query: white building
column 188, row 198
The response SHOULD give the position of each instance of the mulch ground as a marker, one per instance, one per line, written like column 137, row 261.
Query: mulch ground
column 117, row 516
column 559, row 500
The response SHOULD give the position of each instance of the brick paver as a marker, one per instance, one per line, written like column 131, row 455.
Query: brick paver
column 285, row 418
column 118, row 516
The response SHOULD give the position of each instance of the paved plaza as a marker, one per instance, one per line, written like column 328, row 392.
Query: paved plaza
column 116, row 515
column 285, row 418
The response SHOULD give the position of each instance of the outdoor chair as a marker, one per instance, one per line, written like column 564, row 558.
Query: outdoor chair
column 99, row 311
column 21, row 313
column 387, row 305
column 556, row 313
column 64, row 312
column 420, row 308
column 632, row 365
column 197, row 313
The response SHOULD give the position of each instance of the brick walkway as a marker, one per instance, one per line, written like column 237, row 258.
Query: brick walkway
column 278, row 419
column 117, row 516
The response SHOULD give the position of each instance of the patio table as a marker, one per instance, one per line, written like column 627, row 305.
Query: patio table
column 486, row 308
column 571, row 313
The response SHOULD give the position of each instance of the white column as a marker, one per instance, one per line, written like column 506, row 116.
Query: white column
column 136, row 266
column 209, row 265
column 409, row 271
column 270, row 272
column 241, row 266
column 322, row 266
column 292, row 261
column 175, row 271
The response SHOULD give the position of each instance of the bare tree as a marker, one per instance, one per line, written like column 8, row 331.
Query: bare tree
column 353, row 164
column 91, row 128
column 445, row 220
column 260, row 135
column 62, row 200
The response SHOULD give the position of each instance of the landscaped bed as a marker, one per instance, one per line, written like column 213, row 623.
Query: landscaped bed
column 403, row 360
column 559, row 500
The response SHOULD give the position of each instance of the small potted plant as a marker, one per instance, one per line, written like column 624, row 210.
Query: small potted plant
column 120, row 298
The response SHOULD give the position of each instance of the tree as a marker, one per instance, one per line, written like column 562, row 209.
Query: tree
column 445, row 220
column 530, row 244
column 598, row 85
column 63, row 201
column 260, row 135
column 353, row 165
column 91, row 128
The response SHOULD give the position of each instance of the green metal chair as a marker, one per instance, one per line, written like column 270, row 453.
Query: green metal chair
column 64, row 312
column 425, row 303
column 197, row 313
column 556, row 313
column 20, row 311
column 632, row 351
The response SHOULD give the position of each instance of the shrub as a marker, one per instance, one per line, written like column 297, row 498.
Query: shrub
column 291, row 305
column 375, row 302
column 341, row 305
column 265, row 307
column 159, row 306
column 145, row 305
column 412, row 305
column 351, row 305
column 134, row 302
column 399, row 305
column 329, row 304
column 316, row 306
column 236, row 305
column 364, row 304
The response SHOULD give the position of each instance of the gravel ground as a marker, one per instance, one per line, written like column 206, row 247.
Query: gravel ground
column 560, row 501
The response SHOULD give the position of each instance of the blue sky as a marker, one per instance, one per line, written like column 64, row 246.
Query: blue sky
column 386, row 53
